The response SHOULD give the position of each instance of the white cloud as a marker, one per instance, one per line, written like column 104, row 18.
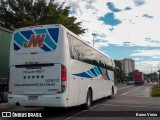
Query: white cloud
column 137, row 58
column 134, row 29
column 148, row 66
column 101, row 44
column 90, row 16
column 147, row 53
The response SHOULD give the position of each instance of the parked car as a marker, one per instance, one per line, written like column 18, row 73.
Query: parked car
column 129, row 83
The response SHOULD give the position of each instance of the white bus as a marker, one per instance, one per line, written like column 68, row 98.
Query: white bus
column 52, row 67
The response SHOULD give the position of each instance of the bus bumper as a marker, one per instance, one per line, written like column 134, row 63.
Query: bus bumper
column 57, row 100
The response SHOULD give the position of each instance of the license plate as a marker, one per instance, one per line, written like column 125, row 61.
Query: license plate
column 32, row 97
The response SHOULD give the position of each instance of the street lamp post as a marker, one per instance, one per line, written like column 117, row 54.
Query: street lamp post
column 93, row 34
column 158, row 72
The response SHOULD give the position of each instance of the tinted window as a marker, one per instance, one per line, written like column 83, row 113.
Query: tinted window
column 83, row 52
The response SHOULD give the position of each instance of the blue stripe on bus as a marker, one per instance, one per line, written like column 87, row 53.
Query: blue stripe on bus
column 47, row 40
column 99, row 70
column 16, row 47
column 92, row 70
column 89, row 72
column 19, row 39
column 45, row 48
column 102, row 69
column 41, row 31
column 27, row 34
column 107, row 75
column 54, row 32
column 84, row 74
column 50, row 42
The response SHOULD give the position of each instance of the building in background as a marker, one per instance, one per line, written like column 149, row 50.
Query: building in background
column 128, row 65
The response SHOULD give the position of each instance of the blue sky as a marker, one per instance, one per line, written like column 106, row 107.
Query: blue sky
column 124, row 28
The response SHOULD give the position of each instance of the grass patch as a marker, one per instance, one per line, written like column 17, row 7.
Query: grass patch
column 155, row 91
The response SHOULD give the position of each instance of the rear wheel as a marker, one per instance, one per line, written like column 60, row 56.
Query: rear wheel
column 112, row 93
column 88, row 100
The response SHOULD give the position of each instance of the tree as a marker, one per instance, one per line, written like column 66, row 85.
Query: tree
column 119, row 65
column 130, row 76
column 21, row 13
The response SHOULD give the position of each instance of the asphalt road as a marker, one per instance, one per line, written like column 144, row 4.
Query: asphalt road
column 130, row 103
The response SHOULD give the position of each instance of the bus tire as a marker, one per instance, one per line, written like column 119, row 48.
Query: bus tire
column 88, row 100
column 112, row 93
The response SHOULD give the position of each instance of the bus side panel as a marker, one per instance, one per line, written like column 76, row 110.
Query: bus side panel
column 77, row 73
column 95, row 89
column 107, row 84
column 104, row 87
column 78, row 85
column 73, row 87
column 80, row 82
column 85, row 83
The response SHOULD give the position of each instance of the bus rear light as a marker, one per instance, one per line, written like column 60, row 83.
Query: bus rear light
column 63, row 73
column 63, row 78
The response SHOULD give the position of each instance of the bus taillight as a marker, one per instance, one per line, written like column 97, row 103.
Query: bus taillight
column 63, row 73
column 63, row 78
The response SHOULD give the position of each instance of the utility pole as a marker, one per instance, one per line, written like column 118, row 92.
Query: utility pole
column 158, row 81
column 93, row 34
column 159, row 72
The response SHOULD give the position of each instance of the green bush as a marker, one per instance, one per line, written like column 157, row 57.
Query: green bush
column 155, row 91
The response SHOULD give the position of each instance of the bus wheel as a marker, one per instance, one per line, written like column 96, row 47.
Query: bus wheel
column 88, row 100
column 112, row 93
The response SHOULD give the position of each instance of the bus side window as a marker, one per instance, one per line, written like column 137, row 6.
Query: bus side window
column 101, row 62
column 86, row 52
column 70, row 44
column 76, row 49
column 95, row 59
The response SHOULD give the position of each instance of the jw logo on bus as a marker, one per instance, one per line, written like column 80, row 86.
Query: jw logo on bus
column 35, row 41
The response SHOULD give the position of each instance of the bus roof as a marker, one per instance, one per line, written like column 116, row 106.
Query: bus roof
column 60, row 25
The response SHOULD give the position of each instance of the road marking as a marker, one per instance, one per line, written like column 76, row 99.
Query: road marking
column 130, row 91
column 123, row 87
column 79, row 113
column 129, row 106
column 75, row 115
column 137, row 95
column 110, row 105
column 93, row 107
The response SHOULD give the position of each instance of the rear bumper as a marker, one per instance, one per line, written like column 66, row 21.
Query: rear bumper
column 139, row 82
column 57, row 100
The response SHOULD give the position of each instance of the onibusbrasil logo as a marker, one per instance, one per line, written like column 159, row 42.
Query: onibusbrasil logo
column 17, row 114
